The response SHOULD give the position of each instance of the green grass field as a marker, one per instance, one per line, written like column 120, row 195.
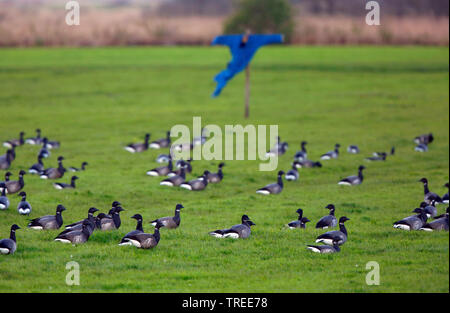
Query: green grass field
column 97, row 100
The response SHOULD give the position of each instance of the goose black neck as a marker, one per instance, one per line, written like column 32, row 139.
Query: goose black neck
column 139, row 225
column 72, row 183
column 170, row 166
column 303, row 147
column 21, row 181
column 220, row 173
column 300, row 216
column 4, row 192
column 342, row 228
column 12, row 235
column 156, row 235
column 183, row 173
column 360, row 174
column 425, row 188
column 116, row 219
column 59, row 219
column 332, row 212
column 83, row 166
column 280, row 180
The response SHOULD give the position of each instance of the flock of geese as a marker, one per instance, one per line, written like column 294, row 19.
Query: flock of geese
column 174, row 175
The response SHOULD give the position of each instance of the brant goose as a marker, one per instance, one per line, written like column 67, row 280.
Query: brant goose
column 429, row 196
column 7, row 176
column 353, row 180
column 76, row 236
column 162, row 170
column 48, row 221
column 170, row 222
column 6, row 160
column 78, row 225
column 430, row 209
column 331, row 154
column 197, row 184
column 378, row 156
column 413, row 222
column 110, row 223
column 161, row 143
column 424, row 139
column 60, row 186
column 301, row 155
column 14, row 186
column 145, row 241
column 237, row 231
column 421, row 148
column 138, row 230
column 292, row 174
column 279, row 149
column 35, row 140
column 163, row 158
column 214, row 178
column 83, row 167
column 181, row 163
column 328, row 221
column 336, row 236
column 176, row 180
column 440, row 223
column 9, row 245
column 14, row 142
column 139, row 147
column 275, row 188
column 301, row 222
column 307, row 164
column 325, row 249
column 4, row 201
column 24, row 207
column 38, row 167
column 353, row 149
column 44, row 150
column 54, row 173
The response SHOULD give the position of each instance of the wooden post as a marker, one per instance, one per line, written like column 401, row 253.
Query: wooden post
column 247, row 91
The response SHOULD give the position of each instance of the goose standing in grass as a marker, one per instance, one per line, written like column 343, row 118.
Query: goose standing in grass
column 300, row 222
column 197, row 184
column 413, row 222
column 78, row 225
column 161, row 143
column 328, row 221
column 353, row 149
column 292, row 174
column 61, row 186
column 44, row 150
column 331, row 154
column 54, row 173
column 214, row 178
column 4, row 201
column 273, row 189
column 175, row 181
column 35, row 140
column 48, row 221
column 38, row 167
column 146, row 241
column 424, row 139
column 429, row 196
column 14, row 186
column 430, row 209
column 83, row 167
column 421, row 148
column 242, row 230
column 353, row 180
column 325, row 249
column 139, row 147
column 336, row 236
column 138, row 230
column 14, row 142
column 9, row 245
column 301, row 155
column 113, row 222
column 380, row 156
column 445, row 198
column 440, row 223
column 170, row 222
column 76, row 236
column 307, row 164
column 24, row 207
column 6, row 160
column 162, row 170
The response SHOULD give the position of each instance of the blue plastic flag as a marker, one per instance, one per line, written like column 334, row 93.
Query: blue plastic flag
column 242, row 49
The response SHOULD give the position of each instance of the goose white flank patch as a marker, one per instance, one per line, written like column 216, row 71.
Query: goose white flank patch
column 429, row 196
column 242, row 230
column 24, row 207
column 301, row 155
column 4, row 201
column 197, row 184
column 161, row 143
column 292, row 174
column 9, row 245
column 170, row 222
column 353, row 149
column 414, row 222
column 338, row 237
column 353, row 180
column 144, row 240
column 139, row 147
column 331, row 154
column 126, row 240
column 325, row 249
column 48, row 221
column 275, row 188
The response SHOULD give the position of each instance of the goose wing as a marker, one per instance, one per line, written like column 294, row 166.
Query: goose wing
column 328, row 221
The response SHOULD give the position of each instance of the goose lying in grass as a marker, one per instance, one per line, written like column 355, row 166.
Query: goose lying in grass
column 161, row 143
column 4, row 201
column 336, row 236
column 48, row 221
column 14, row 142
column 331, row 154
column 325, row 249
column 139, row 147
column 9, row 245
column 380, row 156
column 13, row 186
column 139, row 230
column 430, row 209
column 6, row 160
column 91, row 220
column 61, row 186
column 163, row 158
column 307, row 164
column 38, row 167
column 175, row 181
column 170, row 222
column 76, row 236
column 300, row 222
column 413, row 222
column 440, row 223
column 179, row 164
column 54, row 173
column 35, row 140
column 424, row 139
column 7, row 176
column 83, row 167
column 162, row 170
column 428, row 195
column 197, row 184
column 24, row 207
column 328, row 221
column 273, row 189
column 44, row 150
column 353, row 149
column 353, row 180
column 214, row 178
column 301, row 155
column 145, row 241
column 292, row 174
column 242, row 230
column 421, row 148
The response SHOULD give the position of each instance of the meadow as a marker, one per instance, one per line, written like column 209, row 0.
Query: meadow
column 96, row 100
